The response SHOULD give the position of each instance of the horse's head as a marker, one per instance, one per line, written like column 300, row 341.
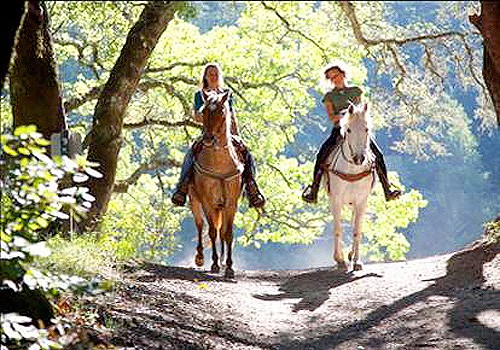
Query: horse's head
column 356, row 129
column 216, row 116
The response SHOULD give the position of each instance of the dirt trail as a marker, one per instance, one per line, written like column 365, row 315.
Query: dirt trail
column 408, row 305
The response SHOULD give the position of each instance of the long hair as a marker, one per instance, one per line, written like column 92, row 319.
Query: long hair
column 203, row 77
column 324, row 82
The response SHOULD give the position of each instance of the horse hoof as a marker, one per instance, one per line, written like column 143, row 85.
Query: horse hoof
column 229, row 273
column 215, row 268
column 199, row 261
column 342, row 266
column 358, row 267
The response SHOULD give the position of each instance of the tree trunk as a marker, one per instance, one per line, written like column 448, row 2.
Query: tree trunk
column 10, row 19
column 488, row 23
column 104, row 140
column 34, row 86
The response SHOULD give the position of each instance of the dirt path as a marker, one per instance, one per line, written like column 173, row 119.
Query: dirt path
column 408, row 305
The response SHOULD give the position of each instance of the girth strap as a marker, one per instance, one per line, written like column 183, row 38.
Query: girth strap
column 352, row 177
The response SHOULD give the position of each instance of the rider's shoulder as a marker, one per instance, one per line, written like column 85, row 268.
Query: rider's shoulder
column 355, row 90
column 226, row 89
column 328, row 96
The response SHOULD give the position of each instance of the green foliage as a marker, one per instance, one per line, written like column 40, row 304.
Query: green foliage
column 140, row 223
column 18, row 329
column 424, row 74
column 32, row 199
column 492, row 231
column 84, row 256
column 382, row 228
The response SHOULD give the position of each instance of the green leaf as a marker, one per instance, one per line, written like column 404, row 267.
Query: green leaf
column 9, row 150
column 24, row 129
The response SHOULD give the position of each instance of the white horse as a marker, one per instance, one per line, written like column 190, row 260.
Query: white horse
column 350, row 179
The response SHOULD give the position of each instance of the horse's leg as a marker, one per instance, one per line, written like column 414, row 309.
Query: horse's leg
column 198, row 215
column 227, row 238
column 213, row 231
column 337, row 236
column 359, row 212
column 222, row 252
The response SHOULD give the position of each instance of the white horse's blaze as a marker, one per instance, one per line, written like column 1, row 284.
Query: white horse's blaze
column 350, row 180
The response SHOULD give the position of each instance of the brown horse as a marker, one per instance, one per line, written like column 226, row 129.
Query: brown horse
column 217, row 181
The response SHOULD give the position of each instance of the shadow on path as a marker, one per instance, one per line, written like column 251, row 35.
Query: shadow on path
column 313, row 288
column 156, row 271
column 464, row 270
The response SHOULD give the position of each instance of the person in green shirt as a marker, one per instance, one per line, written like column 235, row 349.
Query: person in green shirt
column 212, row 80
column 336, row 102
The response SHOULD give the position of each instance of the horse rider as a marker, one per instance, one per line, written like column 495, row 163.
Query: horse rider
column 212, row 81
column 337, row 100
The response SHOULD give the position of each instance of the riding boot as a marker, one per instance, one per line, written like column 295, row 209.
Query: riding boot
column 180, row 193
column 382, row 175
column 310, row 194
column 255, row 197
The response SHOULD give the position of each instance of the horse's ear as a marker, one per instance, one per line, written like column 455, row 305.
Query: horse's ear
column 351, row 108
column 365, row 107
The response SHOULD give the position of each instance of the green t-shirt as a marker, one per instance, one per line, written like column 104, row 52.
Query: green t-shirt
column 340, row 98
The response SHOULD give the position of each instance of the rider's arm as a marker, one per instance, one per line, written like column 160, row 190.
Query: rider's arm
column 198, row 117
column 197, row 107
column 234, row 125
column 331, row 112
column 356, row 99
column 235, row 130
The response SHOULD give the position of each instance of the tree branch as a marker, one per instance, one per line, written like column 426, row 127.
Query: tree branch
column 123, row 185
column 348, row 9
column 296, row 31
column 146, row 122
column 176, row 64
column 74, row 103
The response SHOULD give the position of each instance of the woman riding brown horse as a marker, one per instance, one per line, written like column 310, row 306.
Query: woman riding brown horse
column 212, row 81
column 217, row 181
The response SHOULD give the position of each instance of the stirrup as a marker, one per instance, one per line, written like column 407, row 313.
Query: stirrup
column 255, row 199
column 257, row 202
column 309, row 196
column 392, row 195
column 179, row 198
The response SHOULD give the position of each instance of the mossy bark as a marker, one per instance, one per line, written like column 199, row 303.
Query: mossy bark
column 34, row 86
column 104, row 140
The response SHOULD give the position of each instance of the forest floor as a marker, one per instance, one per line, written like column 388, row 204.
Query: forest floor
column 442, row 302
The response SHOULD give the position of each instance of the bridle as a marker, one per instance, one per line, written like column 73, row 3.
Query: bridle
column 351, row 158
column 344, row 176
column 212, row 109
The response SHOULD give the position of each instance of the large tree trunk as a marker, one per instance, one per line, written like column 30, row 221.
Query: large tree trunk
column 104, row 140
column 34, row 86
column 10, row 20
column 35, row 100
column 488, row 23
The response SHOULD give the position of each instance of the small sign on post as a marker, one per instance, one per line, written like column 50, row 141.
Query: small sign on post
column 65, row 143
column 68, row 144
